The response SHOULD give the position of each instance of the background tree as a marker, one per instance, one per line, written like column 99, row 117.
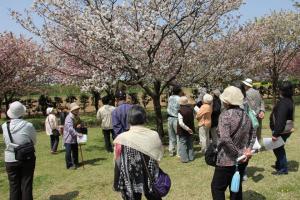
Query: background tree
column 22, row 65
column 280, row 44
column 84, row 100
column 140, row 42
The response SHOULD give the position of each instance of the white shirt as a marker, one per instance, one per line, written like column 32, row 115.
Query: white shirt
column 51, row 124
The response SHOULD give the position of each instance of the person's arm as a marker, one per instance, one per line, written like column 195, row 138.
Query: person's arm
column 31, row 132
column 202, row 111
column 196, row 109
column 181, row 123
column 117, row 126
column 280, row 115
column 225, row 139
column 69, row 123
column 99, row 115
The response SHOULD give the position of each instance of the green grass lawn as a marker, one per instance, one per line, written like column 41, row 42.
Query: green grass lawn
column 189, row 181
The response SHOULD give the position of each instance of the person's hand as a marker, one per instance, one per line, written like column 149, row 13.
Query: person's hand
column 261, row 115
column 248, row 154
column 274, row 138
column 80, row 135
column 78, row 126
column 190, row 131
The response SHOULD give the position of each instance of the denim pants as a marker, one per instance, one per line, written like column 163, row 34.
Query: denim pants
column 54, row 140
column 173, row 137
column 71, row 154
column 186, row 151
column 281, row 160
column 107, row 134
column 204, row 138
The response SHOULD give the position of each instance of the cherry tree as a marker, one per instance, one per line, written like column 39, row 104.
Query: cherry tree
column 139, row 42
column 280, row 44
column 21, row 66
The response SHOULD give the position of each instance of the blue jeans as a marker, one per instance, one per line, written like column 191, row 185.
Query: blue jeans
column 71, row 155
column 186, row 151
column 281, row 160
column 173, row 137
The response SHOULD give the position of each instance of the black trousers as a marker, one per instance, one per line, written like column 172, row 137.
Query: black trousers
column 107, row 134
column 138, row 196
column 54, row 140
column 222, row 179
column 20, row 177
column 71, row 154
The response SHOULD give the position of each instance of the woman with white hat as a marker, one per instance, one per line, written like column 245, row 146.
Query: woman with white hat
column 236, row 137
column 51, row 126
column 70, row 136
column 18, row 132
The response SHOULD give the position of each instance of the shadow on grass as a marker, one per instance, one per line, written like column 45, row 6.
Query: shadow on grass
column 252, row 195
column 253, row 172
column 92, row 148
column 67, row 196
column 93, row 161
column 293, row 166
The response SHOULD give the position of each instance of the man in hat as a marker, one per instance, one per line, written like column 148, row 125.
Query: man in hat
column 255, row 102
column 70, row 136
column 119, row 115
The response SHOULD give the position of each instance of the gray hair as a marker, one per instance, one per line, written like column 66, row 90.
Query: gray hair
column 136, row 115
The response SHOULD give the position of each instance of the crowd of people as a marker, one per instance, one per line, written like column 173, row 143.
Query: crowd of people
column 223, row 120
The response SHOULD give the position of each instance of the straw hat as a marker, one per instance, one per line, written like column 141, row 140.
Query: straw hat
column 16, row 110
column 233, row 96
column 183, row 100
column 207, row 98
column 248, row 82
column 74, row 106
column 49, row 110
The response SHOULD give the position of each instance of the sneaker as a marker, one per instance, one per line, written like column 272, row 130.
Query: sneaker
column 245, row 177
column 72, row 168
column 279, row 173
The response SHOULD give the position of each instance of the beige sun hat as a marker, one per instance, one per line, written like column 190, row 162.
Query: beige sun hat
column 74, row 106
column 233, row 96
column 248, row 82
column 183, row 100
column 16, row 110
column 207, row 98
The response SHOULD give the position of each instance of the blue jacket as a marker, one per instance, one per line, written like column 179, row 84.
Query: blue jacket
column 119, row 119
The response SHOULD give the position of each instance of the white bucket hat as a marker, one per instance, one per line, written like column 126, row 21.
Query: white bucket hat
column 49, row 110
column 233, row 96
column 74, row 106
column 207, row 98
column 183, row 100
column 248, row 82
column 16, row 110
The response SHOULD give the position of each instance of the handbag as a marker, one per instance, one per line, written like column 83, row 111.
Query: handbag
column 55, row 132
column 24, row 151
column 235, row 181
column 161, row 185
column 212, row 151
column 252, row 115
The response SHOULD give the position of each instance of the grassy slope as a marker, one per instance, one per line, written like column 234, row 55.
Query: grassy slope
column 189, row 181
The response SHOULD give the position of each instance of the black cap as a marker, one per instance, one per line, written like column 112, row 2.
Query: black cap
column 120, row 95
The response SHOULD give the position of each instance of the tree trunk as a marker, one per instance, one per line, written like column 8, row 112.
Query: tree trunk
column 158, row 115
column 96, row 96
column 275, row 79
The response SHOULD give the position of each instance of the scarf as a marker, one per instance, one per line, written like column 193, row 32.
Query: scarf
column 143, row 140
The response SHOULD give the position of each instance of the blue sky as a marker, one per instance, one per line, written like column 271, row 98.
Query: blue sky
column 252, row 9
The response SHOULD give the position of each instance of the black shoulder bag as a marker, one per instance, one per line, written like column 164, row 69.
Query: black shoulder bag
column 23, row 152
column 55, row 132
column 212, row 151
